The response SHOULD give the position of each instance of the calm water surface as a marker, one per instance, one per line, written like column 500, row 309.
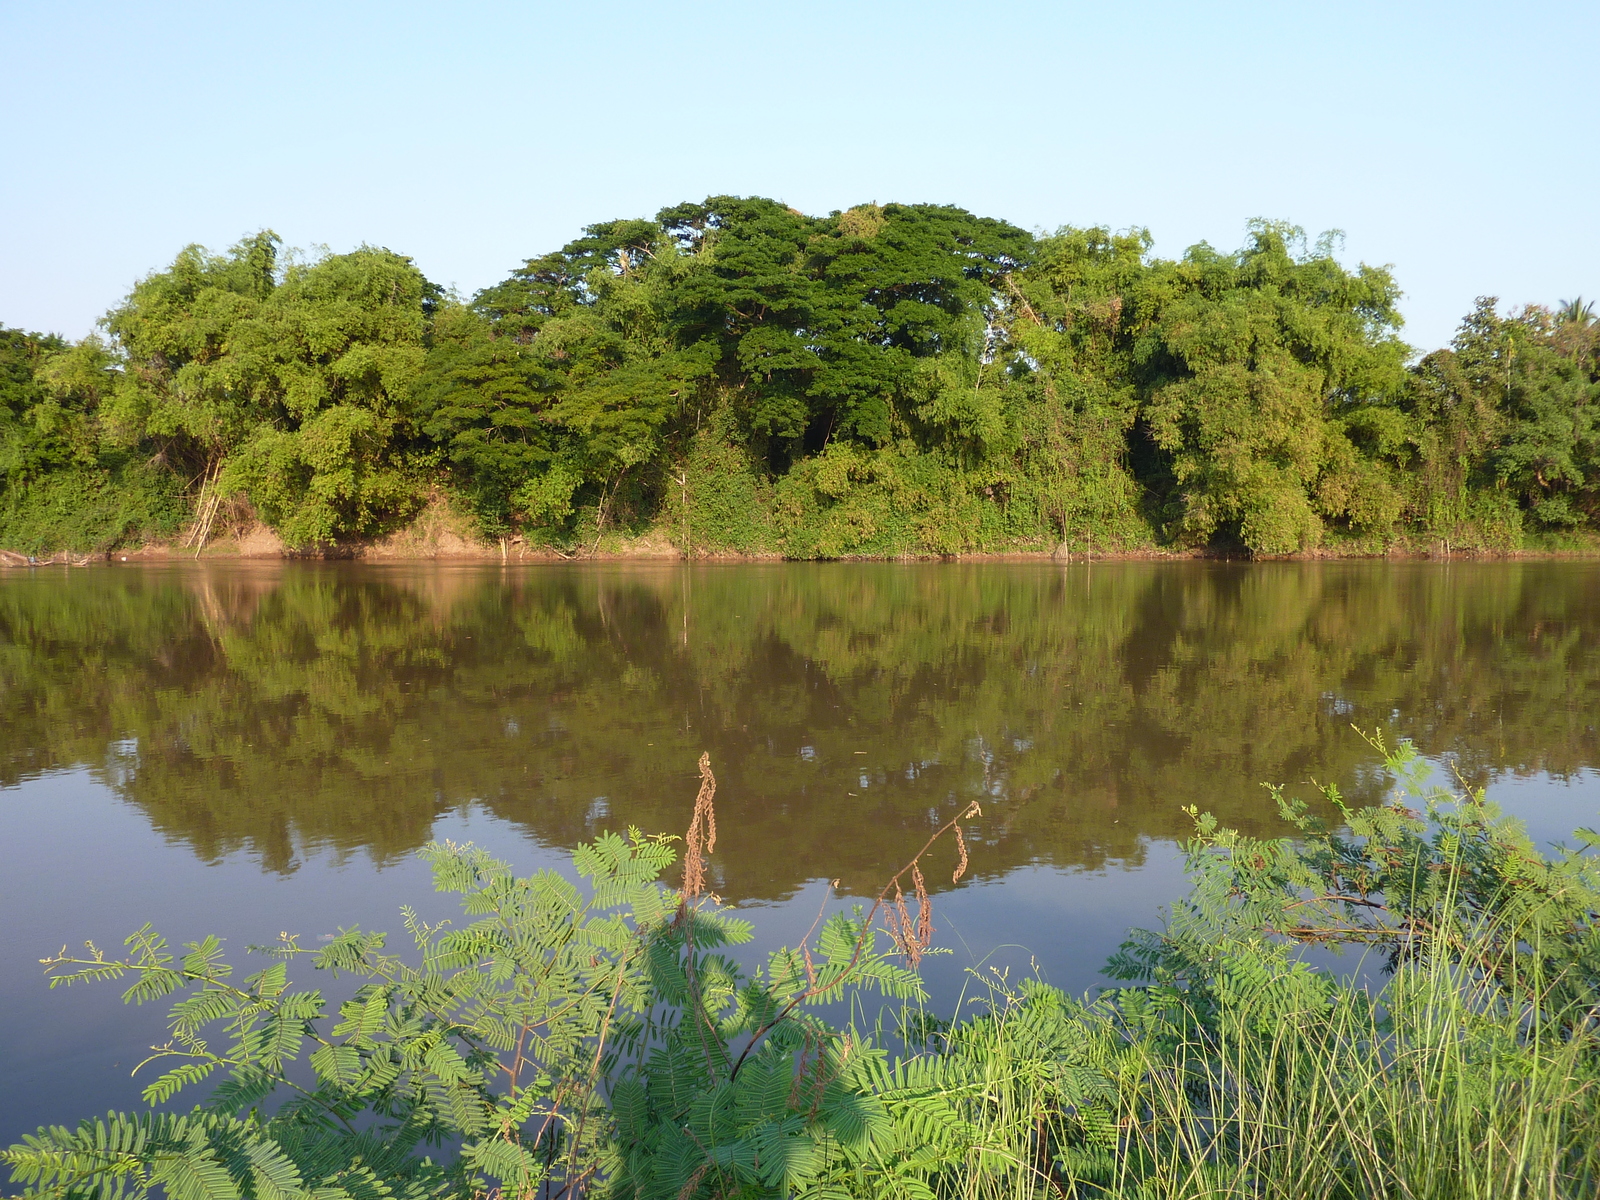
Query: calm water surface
column 248, row 748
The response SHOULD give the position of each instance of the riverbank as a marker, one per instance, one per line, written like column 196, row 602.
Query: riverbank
column 441, row 532
column 423, row 544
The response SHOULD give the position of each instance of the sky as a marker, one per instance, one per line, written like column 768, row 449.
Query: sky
column 1454, row 142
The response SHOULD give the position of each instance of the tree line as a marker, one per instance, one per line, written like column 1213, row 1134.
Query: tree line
column 736, row 376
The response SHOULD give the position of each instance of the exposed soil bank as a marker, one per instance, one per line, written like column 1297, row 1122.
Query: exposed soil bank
column 263, row 544
column 439, row 533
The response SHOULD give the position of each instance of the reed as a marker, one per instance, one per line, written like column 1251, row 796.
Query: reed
column 1458, row 1058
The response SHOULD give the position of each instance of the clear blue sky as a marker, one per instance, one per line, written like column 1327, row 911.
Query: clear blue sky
column 1454, row 141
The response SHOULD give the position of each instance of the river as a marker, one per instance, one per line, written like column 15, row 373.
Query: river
column 245, row 748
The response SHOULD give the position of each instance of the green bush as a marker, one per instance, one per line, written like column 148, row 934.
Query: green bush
column 717, row 500
column 88, row 509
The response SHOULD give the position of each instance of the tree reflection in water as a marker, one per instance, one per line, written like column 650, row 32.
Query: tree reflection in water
column 287, row 709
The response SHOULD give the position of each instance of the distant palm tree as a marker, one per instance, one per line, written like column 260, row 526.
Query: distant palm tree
column 1577, row 331
column 1576, row 312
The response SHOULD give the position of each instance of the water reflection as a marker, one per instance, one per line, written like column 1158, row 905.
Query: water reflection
column 285, row 710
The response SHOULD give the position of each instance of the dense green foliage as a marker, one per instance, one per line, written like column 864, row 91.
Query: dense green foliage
column 62, row 483
column 887, row 380
column 602, row 1040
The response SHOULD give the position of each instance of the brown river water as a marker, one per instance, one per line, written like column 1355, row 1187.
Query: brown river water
column 245, row 748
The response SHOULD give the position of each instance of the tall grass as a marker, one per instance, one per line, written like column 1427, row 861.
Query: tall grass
column 1426, row 1089
column 1467, row 1067
column 1420, row 1092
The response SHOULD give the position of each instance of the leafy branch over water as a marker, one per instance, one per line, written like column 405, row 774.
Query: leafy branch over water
column 601, row 1039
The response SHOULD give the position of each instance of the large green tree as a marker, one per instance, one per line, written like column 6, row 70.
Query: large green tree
column 63, row 484
column 283, row 380
column 1256, row 363
column 624, row 342
column 1231, row 393
column 1508, row 425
